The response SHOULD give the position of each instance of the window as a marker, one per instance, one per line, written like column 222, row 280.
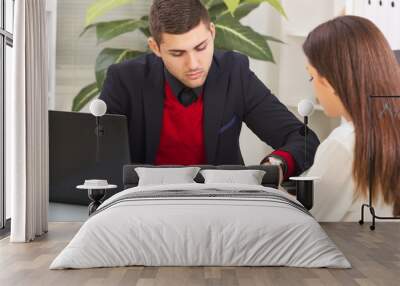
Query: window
column 9, row 13
column 6, row 44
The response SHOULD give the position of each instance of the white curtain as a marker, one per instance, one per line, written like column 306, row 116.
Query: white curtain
column 27, row 124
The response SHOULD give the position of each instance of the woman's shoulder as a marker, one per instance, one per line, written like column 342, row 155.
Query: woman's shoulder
column 342, row 135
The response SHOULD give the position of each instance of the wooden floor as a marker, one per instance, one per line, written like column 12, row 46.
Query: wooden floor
column 375, row 257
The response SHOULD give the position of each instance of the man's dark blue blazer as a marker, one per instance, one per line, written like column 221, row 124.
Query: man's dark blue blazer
column 232, row 95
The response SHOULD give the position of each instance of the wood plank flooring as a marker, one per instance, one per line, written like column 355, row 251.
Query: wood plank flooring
column 375, row 257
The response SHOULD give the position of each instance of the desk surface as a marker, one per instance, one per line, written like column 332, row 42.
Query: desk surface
column 374, row 255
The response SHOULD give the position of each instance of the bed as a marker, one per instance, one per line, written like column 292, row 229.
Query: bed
column 201, row 223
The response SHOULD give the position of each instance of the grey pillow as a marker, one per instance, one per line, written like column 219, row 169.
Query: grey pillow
column 163, row 176
column 248, row 177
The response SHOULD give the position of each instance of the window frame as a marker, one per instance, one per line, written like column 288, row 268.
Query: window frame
column 6, row 39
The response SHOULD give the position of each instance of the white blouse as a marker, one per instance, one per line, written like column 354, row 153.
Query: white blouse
column 334, row 192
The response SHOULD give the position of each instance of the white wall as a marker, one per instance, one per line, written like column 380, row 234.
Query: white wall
column 294, row 85
column 253, row 149
column 385, row 15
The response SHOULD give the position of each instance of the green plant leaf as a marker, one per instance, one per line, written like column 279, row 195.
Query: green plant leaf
column 273, row 39
column 108, row 30
column 232, row 5
column 244, row 9
column 145, row 30
column 109, row 56
column 100, row 7
column 85, row 95
column 231, row 35
column 241, row 11
column 209, row 3
column 217, row 10
column 274, row 3
column 87, row 28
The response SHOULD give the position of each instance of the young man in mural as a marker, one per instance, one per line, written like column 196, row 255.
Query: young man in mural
column 186, row 102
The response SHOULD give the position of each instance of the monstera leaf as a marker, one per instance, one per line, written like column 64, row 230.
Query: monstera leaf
column 226, row 14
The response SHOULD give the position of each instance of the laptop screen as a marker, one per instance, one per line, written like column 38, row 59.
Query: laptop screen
column 74, row 156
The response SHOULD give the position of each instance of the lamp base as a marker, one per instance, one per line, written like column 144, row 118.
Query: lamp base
column 96, row 196
column 305, row 190
column 305, row 193
column 374, row 216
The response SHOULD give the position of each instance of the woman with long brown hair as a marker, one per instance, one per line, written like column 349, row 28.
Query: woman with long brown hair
column 356, row 76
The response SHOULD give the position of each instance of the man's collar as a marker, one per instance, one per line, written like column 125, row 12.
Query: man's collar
column 178, row 86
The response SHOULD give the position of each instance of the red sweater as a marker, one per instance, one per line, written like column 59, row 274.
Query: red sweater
column 182, row 136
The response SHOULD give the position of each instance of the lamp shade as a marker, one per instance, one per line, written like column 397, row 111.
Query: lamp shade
column 305, row 107
column 98, row 107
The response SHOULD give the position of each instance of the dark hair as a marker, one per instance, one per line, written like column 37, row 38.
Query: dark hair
column 354, row 56
column 176, row 17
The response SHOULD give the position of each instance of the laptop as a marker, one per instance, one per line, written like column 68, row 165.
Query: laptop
column 74, row 156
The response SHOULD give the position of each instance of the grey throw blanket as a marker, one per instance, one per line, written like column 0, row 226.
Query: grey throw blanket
column 206, row 194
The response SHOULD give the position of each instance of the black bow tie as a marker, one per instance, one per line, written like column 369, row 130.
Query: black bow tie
column 187, row 96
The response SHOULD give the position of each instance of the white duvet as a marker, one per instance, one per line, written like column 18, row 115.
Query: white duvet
column 203, row 231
